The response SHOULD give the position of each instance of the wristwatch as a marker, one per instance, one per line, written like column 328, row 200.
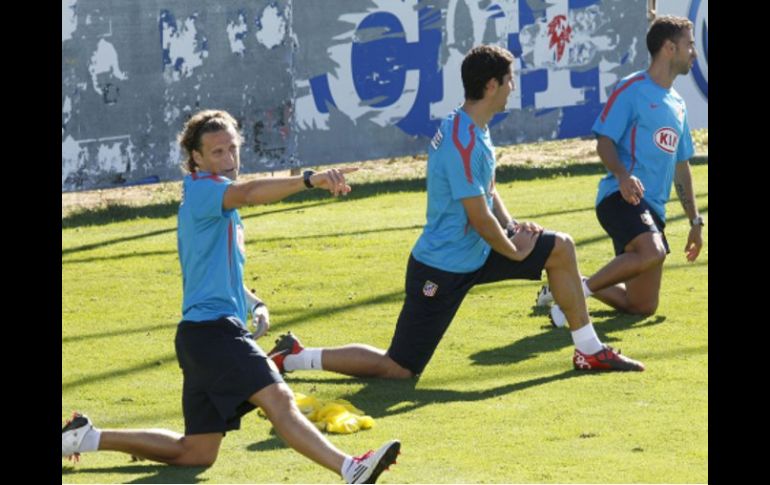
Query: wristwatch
column 306, row 178
column 697, row 221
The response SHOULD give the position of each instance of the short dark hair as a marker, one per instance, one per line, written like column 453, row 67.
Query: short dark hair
column 199, row 124
column 666, row 27
column 481, row 64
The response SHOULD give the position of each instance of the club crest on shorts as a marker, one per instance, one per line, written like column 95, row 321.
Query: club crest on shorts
column 429, row 288
column 646, row 218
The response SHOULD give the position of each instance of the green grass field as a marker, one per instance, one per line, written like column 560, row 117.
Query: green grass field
column 499, row 402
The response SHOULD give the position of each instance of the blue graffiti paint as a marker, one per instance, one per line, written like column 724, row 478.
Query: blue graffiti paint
column 498, row 11
column 322, row 95
column 532, row 82
column 423, row 56
column 573, row 4
column 697, row 71
column 514, row 45
column 379, row 73
column 577, row 120
column 526, row 16
column 379, row 69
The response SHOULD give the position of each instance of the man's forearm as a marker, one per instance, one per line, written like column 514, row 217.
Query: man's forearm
column 685, row 191
column 500, row 211
column 263, row 191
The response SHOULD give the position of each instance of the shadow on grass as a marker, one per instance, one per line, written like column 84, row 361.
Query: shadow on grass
column 383, row 397
column 273, row 442
column 551, row 340
column 155, row 472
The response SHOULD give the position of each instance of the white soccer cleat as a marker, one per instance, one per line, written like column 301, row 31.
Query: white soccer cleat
column 557, row 317
column 544, row 296
column 368, row 467
column 72, row 435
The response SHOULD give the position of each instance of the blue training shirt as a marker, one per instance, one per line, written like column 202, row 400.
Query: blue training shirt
column 211, row 251
column 461, row 164
column 648, row 124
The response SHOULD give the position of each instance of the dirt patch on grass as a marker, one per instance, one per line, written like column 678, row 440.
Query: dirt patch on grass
column 534, row 154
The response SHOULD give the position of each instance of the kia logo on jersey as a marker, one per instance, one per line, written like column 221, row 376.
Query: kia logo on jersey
column 666, row 139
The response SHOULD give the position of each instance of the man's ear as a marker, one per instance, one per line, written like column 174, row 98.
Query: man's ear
column 492, row 84
column 671, row 45
column 196, row 155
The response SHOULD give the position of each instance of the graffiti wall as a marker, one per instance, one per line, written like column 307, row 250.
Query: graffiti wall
column 322, row 81
column 694, row 87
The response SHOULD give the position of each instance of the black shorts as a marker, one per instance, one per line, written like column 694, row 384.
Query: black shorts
column 433, row 297
column 623, row 221
column 222, row 367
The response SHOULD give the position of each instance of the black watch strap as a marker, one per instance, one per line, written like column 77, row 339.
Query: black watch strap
column 306, row 178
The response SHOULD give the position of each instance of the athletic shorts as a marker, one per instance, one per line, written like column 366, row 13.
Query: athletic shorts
column 433, row 297
column 222, row 368
column 623, row 221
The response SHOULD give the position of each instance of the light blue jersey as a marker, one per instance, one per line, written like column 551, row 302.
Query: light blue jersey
column 211, row 251
column 461, row 164
column 648, row 124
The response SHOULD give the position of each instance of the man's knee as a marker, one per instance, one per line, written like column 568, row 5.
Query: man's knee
column 563, row 249
column 651, row 250
column 390, row 369
column 644, row 309
column 197, row 453
column 564, row 241
column 654, row 256
column 201, row 460
column 273, row 398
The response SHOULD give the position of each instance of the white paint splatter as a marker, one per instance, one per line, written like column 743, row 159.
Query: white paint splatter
column 71, row 155
column 235, row 33
column 184, row 52
column 174, row 154
column 104, row 60
column 607, row 78
column 66, row 112
column 307, row 115
column 170, row 114
column 69, row 21
column 114, row 157
column 273, row 27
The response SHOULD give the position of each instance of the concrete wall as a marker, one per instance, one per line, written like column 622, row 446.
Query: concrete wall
column 322, row 81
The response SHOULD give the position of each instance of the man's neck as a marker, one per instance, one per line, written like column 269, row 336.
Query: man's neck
column 661, row 72
column 479, row 112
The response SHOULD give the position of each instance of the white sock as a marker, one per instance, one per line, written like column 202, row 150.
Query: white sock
column 306, row 360
column 587, row 292
column 347, row 469
column 586, row 340
column 91, row 440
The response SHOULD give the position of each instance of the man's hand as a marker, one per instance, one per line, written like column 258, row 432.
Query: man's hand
column 694, row 243
column 631, row 189
column 528, row 226
column 524, row 240
column 333, row 180
column 261, row 318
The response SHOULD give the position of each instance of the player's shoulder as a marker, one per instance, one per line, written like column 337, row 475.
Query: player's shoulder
column 632, row 82
column 443, row 131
